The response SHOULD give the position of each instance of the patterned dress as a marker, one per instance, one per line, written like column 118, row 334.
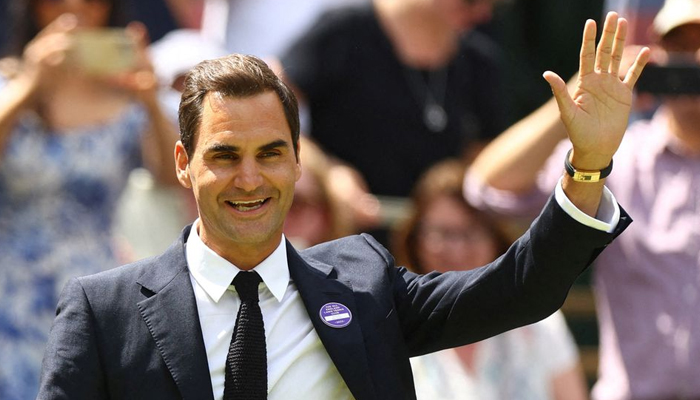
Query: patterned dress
column 58, row 193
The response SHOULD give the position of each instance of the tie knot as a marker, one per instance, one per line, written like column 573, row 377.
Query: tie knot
column 246, row 284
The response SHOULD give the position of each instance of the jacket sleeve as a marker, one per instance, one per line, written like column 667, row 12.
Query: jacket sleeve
column 72, row 368
column 526, row 284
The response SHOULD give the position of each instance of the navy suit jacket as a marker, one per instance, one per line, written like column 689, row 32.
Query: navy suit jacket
column 134, row 333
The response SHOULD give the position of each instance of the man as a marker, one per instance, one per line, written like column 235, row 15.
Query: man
column 646, row 284
column 340, row 320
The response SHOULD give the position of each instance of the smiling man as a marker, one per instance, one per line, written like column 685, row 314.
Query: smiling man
column 336, row 321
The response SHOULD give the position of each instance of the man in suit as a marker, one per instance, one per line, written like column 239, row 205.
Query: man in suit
column 340, row 320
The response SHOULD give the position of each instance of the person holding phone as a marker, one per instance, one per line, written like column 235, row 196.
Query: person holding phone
column 647, row 284
column 79, row 110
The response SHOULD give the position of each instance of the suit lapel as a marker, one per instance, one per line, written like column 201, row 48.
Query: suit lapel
column 317, row 287
column 172, row 319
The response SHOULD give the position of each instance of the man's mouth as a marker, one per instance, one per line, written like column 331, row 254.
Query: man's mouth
column 245, row 206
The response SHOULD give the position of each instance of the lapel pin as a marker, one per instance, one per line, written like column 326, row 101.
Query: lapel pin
column 335, row 315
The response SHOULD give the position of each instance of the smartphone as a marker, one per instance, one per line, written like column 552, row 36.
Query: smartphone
column 103, row 52
column 675, row 79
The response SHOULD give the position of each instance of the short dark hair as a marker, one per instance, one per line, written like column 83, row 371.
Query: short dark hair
column 235, row 75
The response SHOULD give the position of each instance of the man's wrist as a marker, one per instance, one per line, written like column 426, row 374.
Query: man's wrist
column 586, row 175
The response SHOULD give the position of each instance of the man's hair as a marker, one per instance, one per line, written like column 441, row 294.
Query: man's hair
column 234, row 75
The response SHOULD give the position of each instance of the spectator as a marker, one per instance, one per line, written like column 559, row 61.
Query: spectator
column 316, row 214
column 538, row 361
column 394, row 86
column 646, row 285
column 69, row 136
column 236, row 24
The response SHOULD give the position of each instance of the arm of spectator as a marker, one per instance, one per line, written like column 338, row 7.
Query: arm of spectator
column 570, row 384
column 45, row 54
column 159, row 140
column 348, row 188
column 511, row 162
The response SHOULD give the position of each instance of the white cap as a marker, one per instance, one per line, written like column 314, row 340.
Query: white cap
column 675, row 13
column 179, row 51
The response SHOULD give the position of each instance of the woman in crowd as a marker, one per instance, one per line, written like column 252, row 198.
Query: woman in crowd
column 73, row 124
column 316, row 214
column 538, row 361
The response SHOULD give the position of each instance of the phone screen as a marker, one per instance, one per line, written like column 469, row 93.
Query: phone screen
column 103, row 51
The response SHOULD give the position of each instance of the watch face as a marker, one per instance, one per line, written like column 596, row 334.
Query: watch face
column 585, row 176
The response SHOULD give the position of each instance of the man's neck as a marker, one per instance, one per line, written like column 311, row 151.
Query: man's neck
column 245, row 256
column 687, row 133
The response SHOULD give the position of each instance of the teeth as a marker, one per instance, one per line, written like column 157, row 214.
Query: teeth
column 247, row 205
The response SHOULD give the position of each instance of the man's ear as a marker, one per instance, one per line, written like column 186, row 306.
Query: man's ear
column 298, row 166
column 182, row 165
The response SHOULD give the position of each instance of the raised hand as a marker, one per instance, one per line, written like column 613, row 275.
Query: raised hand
column 48, row 51
column 596, row 115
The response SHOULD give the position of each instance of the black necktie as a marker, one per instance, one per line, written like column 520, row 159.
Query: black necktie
column 246, row 363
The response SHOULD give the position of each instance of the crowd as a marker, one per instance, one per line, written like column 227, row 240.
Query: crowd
column 411, row 130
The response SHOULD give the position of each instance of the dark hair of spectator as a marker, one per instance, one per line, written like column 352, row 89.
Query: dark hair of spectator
column 234, row 75
column 24, row 27
column 443, row 179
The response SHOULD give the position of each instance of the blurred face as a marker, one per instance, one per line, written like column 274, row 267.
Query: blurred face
column 464, row 15
column 308, row 222
column 684, row 43
column 90, row 13
column 451, row 238
column 242, row 172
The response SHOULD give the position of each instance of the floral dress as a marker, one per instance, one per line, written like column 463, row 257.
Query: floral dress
column 58, row 193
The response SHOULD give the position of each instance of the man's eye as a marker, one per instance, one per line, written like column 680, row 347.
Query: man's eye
column 269, row 154
column 224, row 156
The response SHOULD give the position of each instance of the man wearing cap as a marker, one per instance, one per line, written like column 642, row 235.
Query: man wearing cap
column 336, row 321
column 647, row 283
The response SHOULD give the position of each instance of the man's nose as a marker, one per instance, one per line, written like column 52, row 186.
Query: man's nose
column 248, row 177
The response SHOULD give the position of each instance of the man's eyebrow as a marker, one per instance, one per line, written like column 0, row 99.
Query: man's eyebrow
column 223, row 148
column 227, row 148
column 274, row 145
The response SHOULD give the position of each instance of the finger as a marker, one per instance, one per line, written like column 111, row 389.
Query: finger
column 138, row 33
column 618, row 46
column 604, row 51
column 566, row 104
column 64, row 23
column 636, row 69
column 587, row 57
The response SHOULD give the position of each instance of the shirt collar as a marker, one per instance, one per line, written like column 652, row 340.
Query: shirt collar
column 214, row 273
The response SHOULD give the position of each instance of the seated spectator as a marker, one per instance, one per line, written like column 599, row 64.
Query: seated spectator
column 538, row 361
column 316, row 215
column 72, row 127
column 646, row 284
column 392, row 87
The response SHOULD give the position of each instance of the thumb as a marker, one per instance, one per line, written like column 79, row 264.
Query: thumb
column 566, row 104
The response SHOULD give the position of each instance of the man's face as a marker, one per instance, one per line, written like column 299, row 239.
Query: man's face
column 684, row 43
column 242, row 172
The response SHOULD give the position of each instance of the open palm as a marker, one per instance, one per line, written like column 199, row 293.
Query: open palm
column 596, row 115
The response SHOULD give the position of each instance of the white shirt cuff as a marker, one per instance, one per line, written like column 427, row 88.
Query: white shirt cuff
column 608, row 212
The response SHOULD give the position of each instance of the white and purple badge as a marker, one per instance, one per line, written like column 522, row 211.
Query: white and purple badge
column 335, row 315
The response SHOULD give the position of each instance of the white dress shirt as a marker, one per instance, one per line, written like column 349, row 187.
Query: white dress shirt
column 298, row 366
